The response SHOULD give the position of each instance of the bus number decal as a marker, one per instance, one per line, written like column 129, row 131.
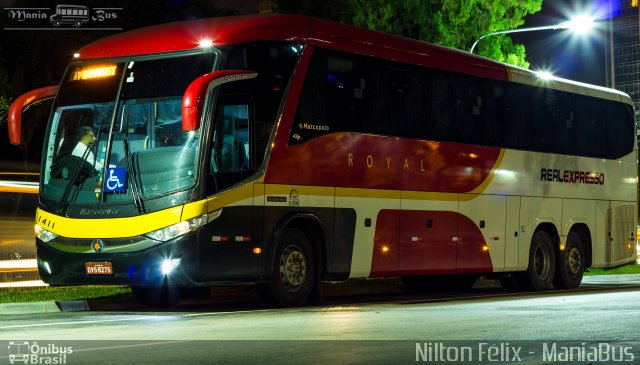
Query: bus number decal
column 46, row 222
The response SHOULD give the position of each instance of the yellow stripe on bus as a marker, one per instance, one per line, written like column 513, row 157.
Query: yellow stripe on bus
column 241, row 195
column 107, row 227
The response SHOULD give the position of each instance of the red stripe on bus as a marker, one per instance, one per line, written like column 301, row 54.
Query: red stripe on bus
column 380, row 162
column 450, row 243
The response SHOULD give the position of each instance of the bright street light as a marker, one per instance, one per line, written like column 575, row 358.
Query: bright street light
column 580, row 25
column 544, row 75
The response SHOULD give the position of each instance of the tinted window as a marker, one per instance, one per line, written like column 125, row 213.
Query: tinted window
column 334, row 97
column 345, row 92
column 457, row 104
column 399, row 95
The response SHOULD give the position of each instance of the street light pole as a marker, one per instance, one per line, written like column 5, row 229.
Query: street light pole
column 578, row 24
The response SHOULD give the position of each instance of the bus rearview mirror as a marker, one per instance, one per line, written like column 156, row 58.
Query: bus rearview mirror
column 15, row 111
column 194, row 97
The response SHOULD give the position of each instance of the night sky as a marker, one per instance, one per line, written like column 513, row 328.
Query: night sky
column 576, row 57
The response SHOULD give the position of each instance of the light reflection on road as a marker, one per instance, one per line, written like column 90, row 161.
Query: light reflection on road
column 17, row 251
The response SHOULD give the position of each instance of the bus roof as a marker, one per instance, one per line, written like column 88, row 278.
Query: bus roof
column 187, row 35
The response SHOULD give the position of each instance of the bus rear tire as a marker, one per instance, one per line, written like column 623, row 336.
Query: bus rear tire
column 570, row 264
column 542, row 264
column 294, row 271
column 163, row 296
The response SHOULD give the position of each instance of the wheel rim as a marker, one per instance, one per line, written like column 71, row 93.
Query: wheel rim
column 541, row 262
column 293, row 268
column 574, row 261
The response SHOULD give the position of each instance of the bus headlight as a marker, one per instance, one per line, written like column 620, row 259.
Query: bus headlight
column 178, row 229
column 44, row 235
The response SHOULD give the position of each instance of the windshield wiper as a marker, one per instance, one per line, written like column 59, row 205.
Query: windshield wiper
column 135, row 192
column 64, row 200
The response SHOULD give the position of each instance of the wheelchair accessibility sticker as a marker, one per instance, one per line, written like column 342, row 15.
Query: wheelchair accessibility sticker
column 116, row 179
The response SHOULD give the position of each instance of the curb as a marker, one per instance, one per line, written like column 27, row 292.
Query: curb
column 44, row 307
column 612, row 279
column 28, row 308
column 73, row 305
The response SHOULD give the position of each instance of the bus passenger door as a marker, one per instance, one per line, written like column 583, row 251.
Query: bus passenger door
column 225, row 248
column 428, row 231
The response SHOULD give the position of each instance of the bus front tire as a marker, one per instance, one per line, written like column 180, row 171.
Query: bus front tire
column 163, row 296
column 570, row 264
column 542, row 265
column 294, row 271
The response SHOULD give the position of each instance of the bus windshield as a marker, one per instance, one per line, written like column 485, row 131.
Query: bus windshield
column 116, row 134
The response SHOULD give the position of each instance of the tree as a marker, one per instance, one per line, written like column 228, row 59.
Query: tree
column 4, row 108
column 450, row 23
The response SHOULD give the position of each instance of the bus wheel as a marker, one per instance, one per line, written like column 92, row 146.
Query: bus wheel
column 571, row 264
column 294, row 271
column 542, row 265
column 157, row 296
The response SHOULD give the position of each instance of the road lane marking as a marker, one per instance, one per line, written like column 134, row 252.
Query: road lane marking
column 127, row 346
column 76, row 322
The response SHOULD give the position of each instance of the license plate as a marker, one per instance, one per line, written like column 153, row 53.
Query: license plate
column 98, row 268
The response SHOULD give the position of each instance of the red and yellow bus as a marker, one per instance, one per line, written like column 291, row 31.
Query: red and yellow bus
column 286, row 150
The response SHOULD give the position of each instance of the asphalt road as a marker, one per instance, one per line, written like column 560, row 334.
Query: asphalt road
column 388, row 331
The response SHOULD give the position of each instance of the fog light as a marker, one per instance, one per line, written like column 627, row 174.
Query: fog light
column 168, row 265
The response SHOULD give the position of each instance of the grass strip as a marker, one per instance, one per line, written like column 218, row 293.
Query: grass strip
column 48, row 293
column 628, row 269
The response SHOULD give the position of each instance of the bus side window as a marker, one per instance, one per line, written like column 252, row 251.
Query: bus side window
column 457, row 108
column 496, row 113
column 334, row 97
column 441, row 101
column 594, row 128
column 517, row 116
column 231, row 139
column 398, row 99
column 468, row 110
column 346, row 89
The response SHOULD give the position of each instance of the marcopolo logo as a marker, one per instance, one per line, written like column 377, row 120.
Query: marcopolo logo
column 64, row 16
column 25, row 352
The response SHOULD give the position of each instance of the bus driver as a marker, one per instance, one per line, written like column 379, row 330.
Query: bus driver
column 86, row 139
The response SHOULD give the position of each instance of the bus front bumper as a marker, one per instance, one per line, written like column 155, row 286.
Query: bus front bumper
column 171, row 262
